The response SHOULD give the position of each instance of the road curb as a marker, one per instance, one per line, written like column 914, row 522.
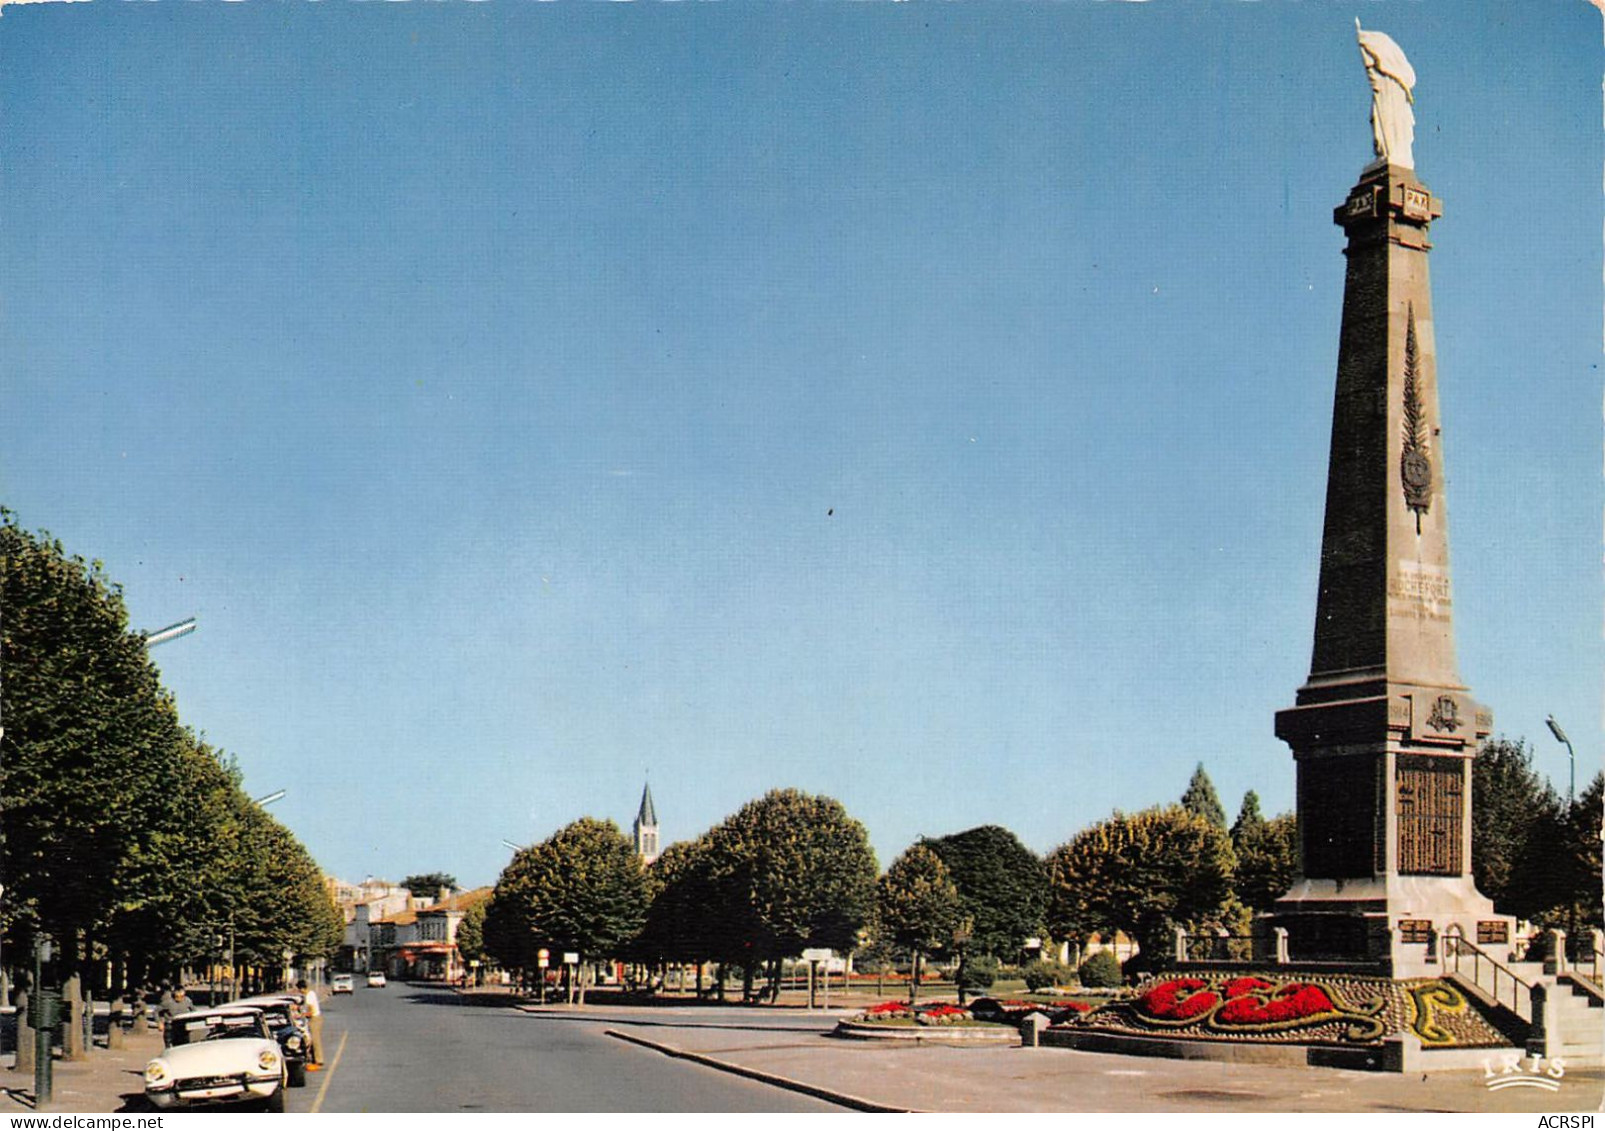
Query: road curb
column 857, row 1103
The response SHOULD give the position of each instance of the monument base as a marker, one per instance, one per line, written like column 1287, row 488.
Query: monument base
column 1395, row 923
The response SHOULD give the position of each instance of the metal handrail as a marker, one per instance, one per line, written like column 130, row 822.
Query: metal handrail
column 1455, row 948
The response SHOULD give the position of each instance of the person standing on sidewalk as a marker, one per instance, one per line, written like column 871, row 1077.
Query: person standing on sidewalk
column 313, row 1011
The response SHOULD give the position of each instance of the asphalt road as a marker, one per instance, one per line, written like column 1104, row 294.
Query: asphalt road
column 412, row 1048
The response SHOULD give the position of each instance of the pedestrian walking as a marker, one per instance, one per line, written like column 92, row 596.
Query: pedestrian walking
column 174, row 1001
column 313, row 1011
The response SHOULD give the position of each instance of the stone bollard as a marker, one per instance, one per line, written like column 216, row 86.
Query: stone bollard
column 1280, row 934
column 1555, row 960
column 1543, row 1031
column 25, row 1039
column 1031, row 1026
column 114, row 1024
column 72, row 1016
column 1181, row 945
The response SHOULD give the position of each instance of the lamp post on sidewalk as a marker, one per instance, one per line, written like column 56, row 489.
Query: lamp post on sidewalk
column 46, row 1007
column 171, row 632
column 1571, row 756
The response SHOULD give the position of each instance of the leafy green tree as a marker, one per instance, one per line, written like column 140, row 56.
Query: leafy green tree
column 509, row 936
column 1267, row 862
column 1100, row 970
column 1517, row 823
column 1002, row 886
column 471, row 933
column 1045, row 973
column 1144, row 874
column 790, row 871
column 1578, row 862
column 124, row 835
column 680, row 922
column 90, row 739
column 918, row 905
column 1249, row 819
column 1201, row 800
column 167, row 914
column 1266, row 853
column 977, row 974
column 582, row 890
column 430, row 883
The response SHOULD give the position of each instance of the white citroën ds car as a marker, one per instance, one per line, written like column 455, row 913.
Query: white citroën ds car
column 217, row 1056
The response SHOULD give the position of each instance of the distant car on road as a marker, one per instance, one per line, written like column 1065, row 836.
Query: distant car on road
column 217, row 1056
column 376, row 979
column 342, row 984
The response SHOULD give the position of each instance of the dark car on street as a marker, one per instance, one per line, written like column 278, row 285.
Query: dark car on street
column 281, row 1012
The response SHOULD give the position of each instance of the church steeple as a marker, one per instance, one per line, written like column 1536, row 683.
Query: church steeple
column 646, row 827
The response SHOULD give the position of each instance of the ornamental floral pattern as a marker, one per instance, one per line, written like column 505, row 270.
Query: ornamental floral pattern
column 1251, row 1004
column 1334, row 1009
column 1415, row 464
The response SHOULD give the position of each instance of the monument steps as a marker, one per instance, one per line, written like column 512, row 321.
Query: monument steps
column 1579, row 1020
column 1514, row 1027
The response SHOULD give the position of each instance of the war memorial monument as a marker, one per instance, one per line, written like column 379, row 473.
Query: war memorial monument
column 1383, row 954
column 1383, row 731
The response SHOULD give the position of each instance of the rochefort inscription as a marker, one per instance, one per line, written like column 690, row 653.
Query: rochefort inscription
column 1422, row 590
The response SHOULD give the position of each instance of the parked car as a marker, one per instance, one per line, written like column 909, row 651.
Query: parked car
column 342, row 984
column 376, row 979
column 282, row 1012
column 217, row 1056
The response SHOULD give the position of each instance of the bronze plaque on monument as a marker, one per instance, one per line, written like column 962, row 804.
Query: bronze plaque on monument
column 1431, row 799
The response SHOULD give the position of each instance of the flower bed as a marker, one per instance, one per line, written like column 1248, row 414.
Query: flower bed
column 920, row 1013
column 1251, row 1004
column 1337, row 1009
column 887, row 1011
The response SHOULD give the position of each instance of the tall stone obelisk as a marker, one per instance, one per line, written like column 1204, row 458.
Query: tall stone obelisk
column 1383, row 732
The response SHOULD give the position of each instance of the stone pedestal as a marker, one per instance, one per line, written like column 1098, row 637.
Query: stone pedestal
column 1383, row 732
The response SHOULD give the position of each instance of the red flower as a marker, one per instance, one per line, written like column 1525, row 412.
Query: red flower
column 1293, row 1002
column 1237, row 987
column 886, row 1009
column 1179, row 999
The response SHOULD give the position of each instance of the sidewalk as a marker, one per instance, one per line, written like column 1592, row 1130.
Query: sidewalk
column 98, row 1084
column 1014, row 1079
column 790, row 1047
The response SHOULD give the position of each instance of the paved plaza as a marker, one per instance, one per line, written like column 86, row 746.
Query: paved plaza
column 789, row 1048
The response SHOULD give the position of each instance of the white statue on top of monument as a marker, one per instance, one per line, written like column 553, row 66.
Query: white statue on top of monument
column 1393, row 122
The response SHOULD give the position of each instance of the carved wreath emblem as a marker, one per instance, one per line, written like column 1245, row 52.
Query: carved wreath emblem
column 1445, row 716
column 1415, row 468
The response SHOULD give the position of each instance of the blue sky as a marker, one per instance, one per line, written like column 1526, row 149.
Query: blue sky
column 924, row 405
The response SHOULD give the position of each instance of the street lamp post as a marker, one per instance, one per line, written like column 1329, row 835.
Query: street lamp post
column 171, row 632
column 45, row 1006
column 1571, row 756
